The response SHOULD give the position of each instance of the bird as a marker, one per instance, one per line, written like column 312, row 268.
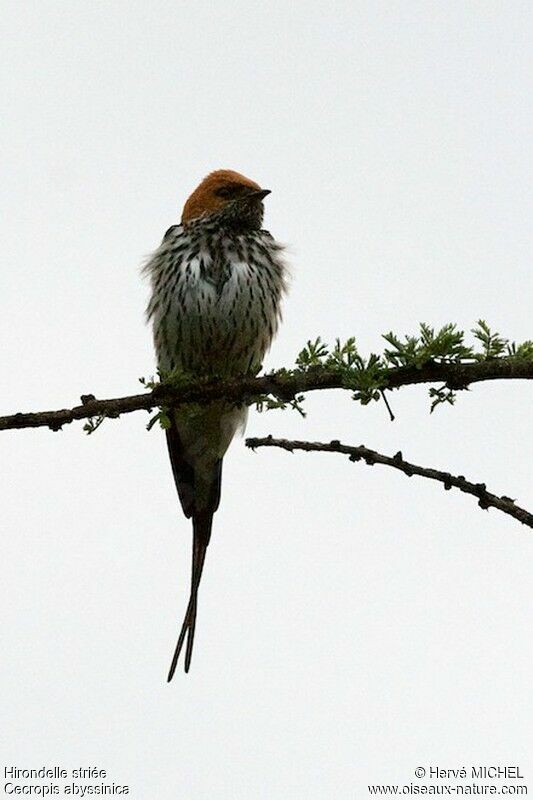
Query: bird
column 217, row 283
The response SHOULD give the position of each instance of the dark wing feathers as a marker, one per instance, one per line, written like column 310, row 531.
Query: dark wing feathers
column 181, row 469
column 202, row 520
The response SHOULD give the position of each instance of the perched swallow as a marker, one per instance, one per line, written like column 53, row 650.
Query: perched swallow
column 217, row 282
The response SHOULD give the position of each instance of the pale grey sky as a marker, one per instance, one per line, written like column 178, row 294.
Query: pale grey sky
column 353, row 624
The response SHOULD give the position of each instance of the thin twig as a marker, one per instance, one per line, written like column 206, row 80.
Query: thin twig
column 389, row 409
column 284, row 386
column 485, row 499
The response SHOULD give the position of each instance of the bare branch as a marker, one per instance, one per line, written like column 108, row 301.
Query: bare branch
column 485, row 499
column 283, row 385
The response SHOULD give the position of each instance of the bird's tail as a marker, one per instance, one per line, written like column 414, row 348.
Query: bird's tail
column 202, row 522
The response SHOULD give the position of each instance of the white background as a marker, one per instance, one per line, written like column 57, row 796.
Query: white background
column 353, row 624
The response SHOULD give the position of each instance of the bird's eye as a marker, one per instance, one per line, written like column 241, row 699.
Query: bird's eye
column 225, row 191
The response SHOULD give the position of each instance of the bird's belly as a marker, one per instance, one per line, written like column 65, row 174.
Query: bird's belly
column 214, row 331
column 217, row 330
column 215, row 309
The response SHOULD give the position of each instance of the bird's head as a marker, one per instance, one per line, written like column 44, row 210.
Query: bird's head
column 237, row 200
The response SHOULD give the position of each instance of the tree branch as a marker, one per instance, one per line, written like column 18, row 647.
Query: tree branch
column 485, row 499
column 284, row 385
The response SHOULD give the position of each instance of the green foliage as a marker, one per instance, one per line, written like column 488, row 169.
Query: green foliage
column 172, row 380
column 445, row 346
column 493, row 344
column 93, row 423
column 367, row 378
column 149, row 383
column 268, row 403
column 363, row 376
column 312, row 355
column 441, row 394
column 522, row 351
column 162, row 417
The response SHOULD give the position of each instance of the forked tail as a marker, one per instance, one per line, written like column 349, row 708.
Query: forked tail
column 201, row 522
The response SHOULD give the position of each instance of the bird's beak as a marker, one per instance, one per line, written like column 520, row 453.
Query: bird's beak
column 261, row 194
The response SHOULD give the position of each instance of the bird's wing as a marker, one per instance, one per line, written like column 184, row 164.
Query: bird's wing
column 181, row 469
column 184, row 477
